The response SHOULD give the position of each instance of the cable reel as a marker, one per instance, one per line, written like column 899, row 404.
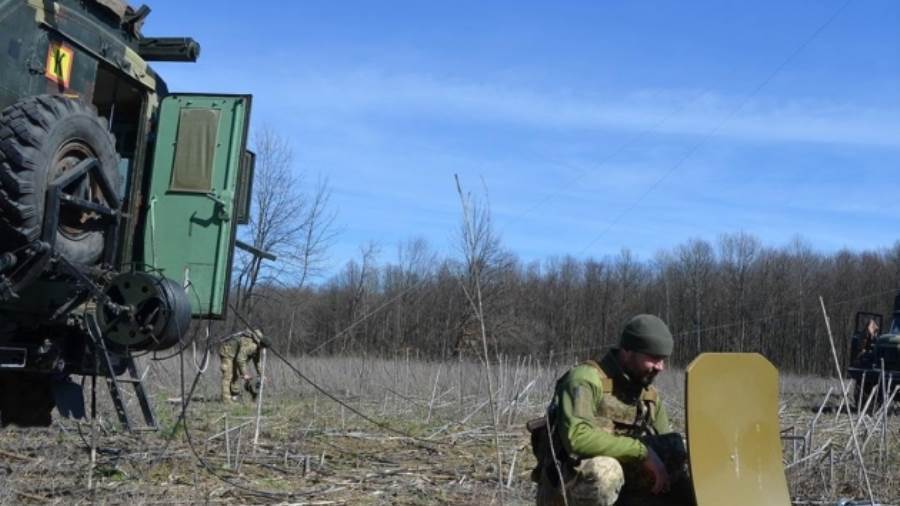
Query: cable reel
column 144, row 312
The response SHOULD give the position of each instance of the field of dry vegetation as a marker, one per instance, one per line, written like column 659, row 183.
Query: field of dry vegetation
column 433, row 440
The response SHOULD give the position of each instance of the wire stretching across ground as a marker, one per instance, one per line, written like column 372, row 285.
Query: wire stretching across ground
column 184, row 422
column 423, row 443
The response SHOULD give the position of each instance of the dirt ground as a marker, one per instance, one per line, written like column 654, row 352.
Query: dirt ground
column 428, row 440
column 296, row 461
column 427, row 445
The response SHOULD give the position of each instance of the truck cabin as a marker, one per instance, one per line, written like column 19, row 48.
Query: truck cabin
column 867, row 327
column 895, row 318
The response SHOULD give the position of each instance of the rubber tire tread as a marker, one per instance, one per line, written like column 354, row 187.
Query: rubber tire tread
column 31, row 132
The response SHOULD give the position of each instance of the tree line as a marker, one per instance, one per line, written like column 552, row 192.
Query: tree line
column 735, row 294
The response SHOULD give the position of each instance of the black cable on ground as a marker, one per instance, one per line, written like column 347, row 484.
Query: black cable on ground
column 183, row 420
column 187, row 397
column 423, row 443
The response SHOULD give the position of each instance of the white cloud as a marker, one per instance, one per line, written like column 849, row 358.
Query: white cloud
column 422, row 96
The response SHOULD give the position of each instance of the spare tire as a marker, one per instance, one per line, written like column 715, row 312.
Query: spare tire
column 40, row 138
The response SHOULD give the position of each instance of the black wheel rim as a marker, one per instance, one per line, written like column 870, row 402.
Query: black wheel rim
column 75, row 223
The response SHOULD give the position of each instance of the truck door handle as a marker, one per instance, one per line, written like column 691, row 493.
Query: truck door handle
column 221, row 206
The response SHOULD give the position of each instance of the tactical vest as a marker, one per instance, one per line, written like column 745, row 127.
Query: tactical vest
column 613, row 414
column 231, row 348
column 621, row 415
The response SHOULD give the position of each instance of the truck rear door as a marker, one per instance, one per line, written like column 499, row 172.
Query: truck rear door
column 190, row 224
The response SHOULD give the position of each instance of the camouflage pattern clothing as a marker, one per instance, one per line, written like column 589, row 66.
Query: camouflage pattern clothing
column 235, row 355
column 604, row 424
column 596, row 481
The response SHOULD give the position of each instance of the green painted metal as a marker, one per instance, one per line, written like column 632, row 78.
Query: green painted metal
column 29, row 29
column 189, row 235
column 19, row 46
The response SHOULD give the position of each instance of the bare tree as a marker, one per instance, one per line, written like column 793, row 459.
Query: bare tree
column 287, row 219
column 403, row 283
column 362, row 281
column 738, row 253
column 697, row 263
column 480, row 246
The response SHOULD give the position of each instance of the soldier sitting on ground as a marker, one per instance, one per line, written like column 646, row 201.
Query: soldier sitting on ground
column 609, row 430
column 235, row 353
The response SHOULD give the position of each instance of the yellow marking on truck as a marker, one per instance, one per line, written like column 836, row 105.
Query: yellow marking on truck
column 59, row 63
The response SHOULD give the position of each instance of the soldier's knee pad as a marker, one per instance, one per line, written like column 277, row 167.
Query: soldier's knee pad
column 598, row 481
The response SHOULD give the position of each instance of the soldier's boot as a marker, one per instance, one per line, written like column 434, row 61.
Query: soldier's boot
column 547, row 493
column 252, row 388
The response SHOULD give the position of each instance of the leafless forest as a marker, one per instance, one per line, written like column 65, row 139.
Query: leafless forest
column 734, row 295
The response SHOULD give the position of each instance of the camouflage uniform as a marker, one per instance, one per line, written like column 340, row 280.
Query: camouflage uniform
column 601, row 426
column 235, row 355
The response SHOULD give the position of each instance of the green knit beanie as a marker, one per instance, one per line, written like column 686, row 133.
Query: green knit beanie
column 648, row 334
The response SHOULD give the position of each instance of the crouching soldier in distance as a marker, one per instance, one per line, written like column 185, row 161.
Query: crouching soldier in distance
column 606, row 438
column 235, row 353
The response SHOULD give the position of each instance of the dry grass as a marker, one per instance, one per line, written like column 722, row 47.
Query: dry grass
column 313, row 451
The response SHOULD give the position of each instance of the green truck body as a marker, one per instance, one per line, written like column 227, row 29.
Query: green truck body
column 119, row 200
column 874, row 358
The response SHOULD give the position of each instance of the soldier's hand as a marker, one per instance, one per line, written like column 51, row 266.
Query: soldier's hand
column 657, row 470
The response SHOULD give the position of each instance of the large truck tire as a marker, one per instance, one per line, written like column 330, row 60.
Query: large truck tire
column 40, row 138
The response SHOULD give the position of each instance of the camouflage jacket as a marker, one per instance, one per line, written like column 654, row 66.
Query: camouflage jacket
column 241, row 349
column 598, row 410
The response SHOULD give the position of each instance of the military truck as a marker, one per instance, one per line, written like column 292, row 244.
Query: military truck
column 118, row 201
column 870, row 348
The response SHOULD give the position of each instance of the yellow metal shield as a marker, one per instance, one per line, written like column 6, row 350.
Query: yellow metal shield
column 733, row 432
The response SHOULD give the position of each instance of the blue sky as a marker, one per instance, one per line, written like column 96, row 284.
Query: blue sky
column 595, row 126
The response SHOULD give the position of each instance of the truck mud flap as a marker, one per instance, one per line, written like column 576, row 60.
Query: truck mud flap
column 733, row 430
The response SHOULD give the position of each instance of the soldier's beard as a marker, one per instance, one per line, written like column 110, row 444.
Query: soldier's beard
column 639, row 375
column 647, row 378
